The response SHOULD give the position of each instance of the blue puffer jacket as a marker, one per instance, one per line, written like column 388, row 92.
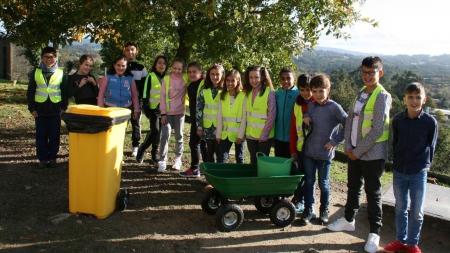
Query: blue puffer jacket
column 285, row 105
column 118, row 91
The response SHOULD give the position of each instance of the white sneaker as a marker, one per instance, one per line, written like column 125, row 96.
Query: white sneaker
column 134, row 152
column 161, row 166
column 177, row 164
column 342, row 225
column 372, row 243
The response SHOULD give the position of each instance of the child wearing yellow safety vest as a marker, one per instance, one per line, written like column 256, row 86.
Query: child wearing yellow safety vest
column 231, row 118
column 172, row 106
column 151, row 95
column 297, row 135
column 207, row 108
column 47, row 100
column 261, row 109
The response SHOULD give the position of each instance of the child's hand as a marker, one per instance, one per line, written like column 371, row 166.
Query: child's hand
column 294, row 156
column 351, row 155
column 239, row 141
column 163, row 120
column 91, row 80
column 218, row 140
column 135, row 115
column 34, row 113
column 307, row 120
column 329, row 146
column 200, row 133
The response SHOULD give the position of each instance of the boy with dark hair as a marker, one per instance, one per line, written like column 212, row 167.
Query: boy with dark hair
column 412, row 160
column 366, row 140
column 47, row 100
column 285, row 97
column 139, row 73
column 297, row 135
column 196, row 143
column 325, row 135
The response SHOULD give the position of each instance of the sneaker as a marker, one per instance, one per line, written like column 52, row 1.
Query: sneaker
column 42, row 165
column 162, row 166
column 52, row 164
column 413, row 249
column 307, row 216
column 190, row 173
column 155, row 158
column 140, row 156
column 299, row 207
column 134, row 152
column 177, row 164
column 372, row 243
column 342, row 225
column 324, row 216
column 395, row 246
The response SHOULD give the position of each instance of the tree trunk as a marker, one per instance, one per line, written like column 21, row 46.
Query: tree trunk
column 184, row 48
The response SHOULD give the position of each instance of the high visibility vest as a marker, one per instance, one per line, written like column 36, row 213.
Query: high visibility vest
column 257, row 115
column 155, row 91
column 53, row 90
column 167, row 80
column 368, row 115
column 299, row 126
column 211, row 108
column 231, row 117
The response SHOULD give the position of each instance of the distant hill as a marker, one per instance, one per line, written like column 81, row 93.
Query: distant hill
column 435, row 69
column 343, row 51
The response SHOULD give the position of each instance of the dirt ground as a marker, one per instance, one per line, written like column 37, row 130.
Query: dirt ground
column 164, row 215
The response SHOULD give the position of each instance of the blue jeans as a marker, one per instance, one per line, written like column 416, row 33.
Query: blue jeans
column 225, row 146
column 409, row 187
column 322, row 167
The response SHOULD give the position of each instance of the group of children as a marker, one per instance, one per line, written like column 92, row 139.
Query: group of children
column 301, row 121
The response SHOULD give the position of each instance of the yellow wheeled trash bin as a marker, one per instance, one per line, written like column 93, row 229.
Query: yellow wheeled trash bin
column 96, row 140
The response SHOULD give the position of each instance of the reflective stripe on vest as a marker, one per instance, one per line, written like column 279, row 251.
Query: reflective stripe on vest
column 211, row 108
column 368, row 115
column 232, row 117
column 257, row 114
column 299, row 126
column 155, row 91
column 53, row 90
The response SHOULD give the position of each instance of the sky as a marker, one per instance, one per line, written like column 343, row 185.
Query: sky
column 405, row 27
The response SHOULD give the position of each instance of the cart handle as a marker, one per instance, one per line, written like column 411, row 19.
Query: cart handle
column 262, row 154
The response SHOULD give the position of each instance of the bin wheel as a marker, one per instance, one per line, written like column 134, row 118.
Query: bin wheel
column 283, row 213
column 123, row 199
column 264, row 204
column 211, row 201
column 229, row 217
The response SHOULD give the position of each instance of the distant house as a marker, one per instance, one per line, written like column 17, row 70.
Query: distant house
column 13, row 65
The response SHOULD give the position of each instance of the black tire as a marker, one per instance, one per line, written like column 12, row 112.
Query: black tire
column 123, row 199
column 264, row 204
column 229, row 217
column 211, row 201
column 283, row 213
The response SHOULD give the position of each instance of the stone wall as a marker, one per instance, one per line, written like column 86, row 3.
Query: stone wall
column 13, row 65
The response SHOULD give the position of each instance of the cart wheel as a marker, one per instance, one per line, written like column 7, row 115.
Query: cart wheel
column 211, row 201
column 263, row 204
column 123, row 199
column 282, row 213
column 229, row 217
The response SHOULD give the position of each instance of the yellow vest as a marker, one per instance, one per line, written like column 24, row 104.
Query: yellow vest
column 257, row 114
column 368, row 115
column 232, row 117
column 211, row 108
column 155, row 91
column 299, row 126
column 53, row 90
column 167, row 80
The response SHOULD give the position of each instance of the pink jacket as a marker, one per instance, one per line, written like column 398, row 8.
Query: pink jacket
column 176, row 94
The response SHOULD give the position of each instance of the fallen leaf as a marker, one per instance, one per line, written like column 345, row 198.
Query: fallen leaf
column 28, row 238
column 27, row 187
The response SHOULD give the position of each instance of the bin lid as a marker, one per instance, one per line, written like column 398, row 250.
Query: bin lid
column 93, row 110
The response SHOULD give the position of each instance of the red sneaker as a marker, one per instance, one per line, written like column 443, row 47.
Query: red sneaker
column 413, row 249
column 395, row 246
